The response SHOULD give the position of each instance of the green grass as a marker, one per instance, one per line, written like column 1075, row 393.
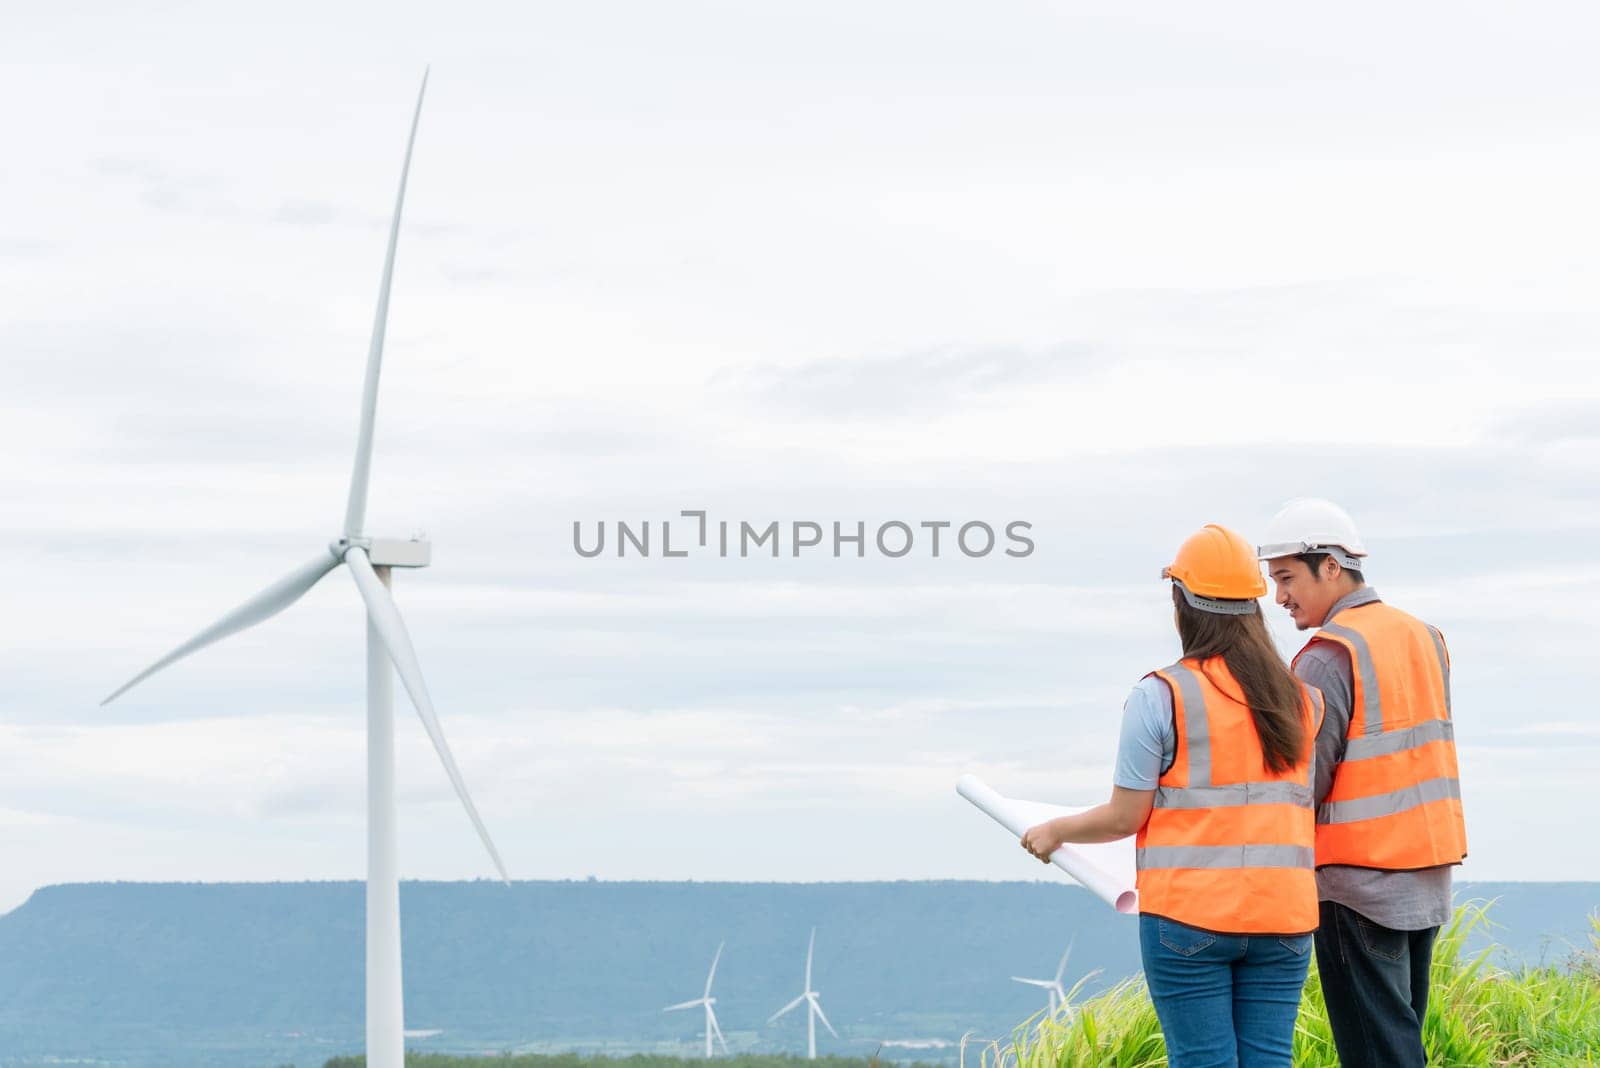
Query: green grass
column 637, row 1060
column 1478, row 1015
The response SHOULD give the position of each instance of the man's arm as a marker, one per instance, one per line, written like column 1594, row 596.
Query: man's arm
column 1326, row 665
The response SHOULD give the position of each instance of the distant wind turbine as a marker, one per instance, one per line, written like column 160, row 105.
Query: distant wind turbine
column 389, row 649
column 1053, row 987
column 707, row 1000
column 813, row 1006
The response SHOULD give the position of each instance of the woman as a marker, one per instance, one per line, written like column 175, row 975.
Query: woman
column 1214, row 775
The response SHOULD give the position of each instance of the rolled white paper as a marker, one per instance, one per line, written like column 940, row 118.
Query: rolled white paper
column 1105, row 869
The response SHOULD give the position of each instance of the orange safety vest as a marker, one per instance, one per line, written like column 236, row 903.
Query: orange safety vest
column 1395, row 802
column 1228, row 846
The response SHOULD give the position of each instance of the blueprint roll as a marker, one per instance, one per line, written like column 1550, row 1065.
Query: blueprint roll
column 1105, row 870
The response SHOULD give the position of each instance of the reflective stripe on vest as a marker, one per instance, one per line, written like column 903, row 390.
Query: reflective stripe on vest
column 1239, row 856
column 1235, row 794
column 1229, row 845
column 1395, row 802
column 1389, row 804
column 1369, row 745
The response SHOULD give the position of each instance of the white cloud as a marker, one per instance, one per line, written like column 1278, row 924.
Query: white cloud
column 1118, row 273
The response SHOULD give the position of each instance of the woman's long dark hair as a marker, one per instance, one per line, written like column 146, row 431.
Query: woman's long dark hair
column 1269, row 689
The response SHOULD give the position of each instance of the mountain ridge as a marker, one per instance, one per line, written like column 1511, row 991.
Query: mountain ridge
column 203, row 974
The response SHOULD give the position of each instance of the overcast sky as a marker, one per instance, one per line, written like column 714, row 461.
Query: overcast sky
column 1113, row 273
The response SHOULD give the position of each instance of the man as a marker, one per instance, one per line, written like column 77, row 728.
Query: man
column 1389, row 822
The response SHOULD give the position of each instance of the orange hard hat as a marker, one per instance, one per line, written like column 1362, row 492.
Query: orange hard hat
column 1217, row 571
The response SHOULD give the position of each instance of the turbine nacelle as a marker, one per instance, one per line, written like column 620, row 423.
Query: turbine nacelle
column 386, row 552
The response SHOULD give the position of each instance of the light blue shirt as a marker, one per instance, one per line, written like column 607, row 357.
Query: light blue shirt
column 1148, row 743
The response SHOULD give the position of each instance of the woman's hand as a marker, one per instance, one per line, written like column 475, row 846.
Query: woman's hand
column 1042, row 840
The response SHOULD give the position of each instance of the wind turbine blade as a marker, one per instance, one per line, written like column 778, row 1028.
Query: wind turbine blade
column 386, row 617
column 773, row 1018
column 685, row 1005
column 815, row 1004
column 1047, row 983
column 810, row 947
column 355, row 513
column 713, row 973
column 711, row 1014
column 1061, row 969
column 264, row 605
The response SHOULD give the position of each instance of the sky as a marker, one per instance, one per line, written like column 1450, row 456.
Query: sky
column 1111, row 272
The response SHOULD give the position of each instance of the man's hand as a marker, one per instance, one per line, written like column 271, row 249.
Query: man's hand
column 1042, row 840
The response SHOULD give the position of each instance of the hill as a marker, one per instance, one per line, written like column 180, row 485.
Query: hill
column 266, row 974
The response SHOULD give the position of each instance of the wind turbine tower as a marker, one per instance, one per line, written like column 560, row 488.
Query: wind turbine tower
column 813, row 1006
column 370, row 562
column 707, row 1000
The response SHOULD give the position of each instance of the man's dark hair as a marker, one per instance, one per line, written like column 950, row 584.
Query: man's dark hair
column 1314, row 562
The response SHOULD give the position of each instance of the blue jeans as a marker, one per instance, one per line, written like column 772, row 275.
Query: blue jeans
column 1225, row 1001
column 1375, row 981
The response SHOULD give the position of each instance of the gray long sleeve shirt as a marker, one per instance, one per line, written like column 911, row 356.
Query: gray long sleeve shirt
column 1399, row 900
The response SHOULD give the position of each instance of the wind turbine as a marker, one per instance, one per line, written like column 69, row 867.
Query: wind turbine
column 389, row 650
column 1053, row 987
column 707, row 1000
column 813, row 1006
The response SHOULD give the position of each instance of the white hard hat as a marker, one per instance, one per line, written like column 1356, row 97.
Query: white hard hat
column 1313, row 525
